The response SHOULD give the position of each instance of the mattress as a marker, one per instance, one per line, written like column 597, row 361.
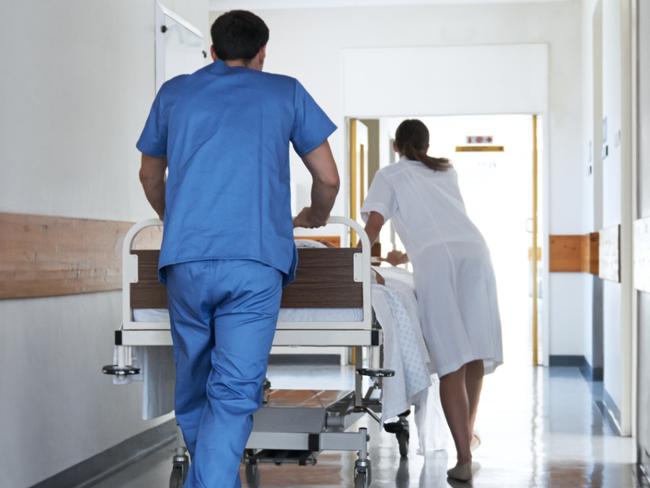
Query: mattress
column 158, row 315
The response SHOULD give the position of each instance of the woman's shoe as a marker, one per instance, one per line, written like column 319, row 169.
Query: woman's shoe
column 475, row 443
column 461, row 472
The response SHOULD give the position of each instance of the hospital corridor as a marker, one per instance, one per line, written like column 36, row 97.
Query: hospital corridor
column 325, row 244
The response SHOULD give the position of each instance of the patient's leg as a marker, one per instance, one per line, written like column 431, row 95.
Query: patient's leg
column 474, row 372
column 455, row 404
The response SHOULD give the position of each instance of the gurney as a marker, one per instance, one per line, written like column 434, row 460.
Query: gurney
column 329, row 305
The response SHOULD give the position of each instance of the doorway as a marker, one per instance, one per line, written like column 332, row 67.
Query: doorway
column 497, row 159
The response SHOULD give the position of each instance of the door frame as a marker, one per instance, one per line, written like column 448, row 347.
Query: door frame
column 543, row 223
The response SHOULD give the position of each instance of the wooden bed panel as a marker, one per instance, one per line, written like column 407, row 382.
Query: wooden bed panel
column 325, row 279
column 148, row 294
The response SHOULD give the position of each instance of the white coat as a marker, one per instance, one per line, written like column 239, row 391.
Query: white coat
column 454, row 279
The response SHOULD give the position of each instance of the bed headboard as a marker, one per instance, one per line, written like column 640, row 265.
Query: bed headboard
column 325, row 279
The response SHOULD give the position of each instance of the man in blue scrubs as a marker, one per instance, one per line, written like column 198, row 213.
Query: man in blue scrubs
column 223, row 135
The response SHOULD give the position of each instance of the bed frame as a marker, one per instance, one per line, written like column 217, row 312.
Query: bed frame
column 315, row 421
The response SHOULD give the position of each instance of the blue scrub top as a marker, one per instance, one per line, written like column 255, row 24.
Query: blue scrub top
column 225, row 132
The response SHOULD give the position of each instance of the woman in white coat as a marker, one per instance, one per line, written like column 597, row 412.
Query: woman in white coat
column 454, row 279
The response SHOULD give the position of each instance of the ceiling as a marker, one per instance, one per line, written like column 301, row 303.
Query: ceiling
column 292, row 4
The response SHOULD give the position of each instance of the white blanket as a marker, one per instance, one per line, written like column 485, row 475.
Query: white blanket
column 404, row 349
column 158, row 375
column 405, row 352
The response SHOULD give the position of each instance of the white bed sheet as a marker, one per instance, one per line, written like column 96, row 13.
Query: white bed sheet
column 161, row 315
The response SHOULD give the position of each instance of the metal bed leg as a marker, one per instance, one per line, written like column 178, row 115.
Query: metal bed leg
column 362, row 467
column 358, row 380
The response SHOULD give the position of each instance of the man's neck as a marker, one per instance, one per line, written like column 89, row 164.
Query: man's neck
column 237, row 63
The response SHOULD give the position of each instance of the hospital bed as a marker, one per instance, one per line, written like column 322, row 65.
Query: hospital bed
column 329, row 304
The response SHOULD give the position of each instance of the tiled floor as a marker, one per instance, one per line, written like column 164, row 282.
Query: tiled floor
column 540, row 428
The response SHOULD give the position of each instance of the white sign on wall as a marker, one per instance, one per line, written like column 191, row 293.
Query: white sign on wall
column 609, row 254
column 179, row 46
column 642, row 255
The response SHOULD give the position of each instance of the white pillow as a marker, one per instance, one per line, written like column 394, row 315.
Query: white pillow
column 308, row 243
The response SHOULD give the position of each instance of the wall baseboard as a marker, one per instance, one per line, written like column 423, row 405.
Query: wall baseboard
column 566, row 360
column 98, row 467
column 577, row 361
column 609, row 410
column 643, row 467
column 590, row 373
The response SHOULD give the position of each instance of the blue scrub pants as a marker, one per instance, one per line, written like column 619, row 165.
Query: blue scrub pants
column 223, row 317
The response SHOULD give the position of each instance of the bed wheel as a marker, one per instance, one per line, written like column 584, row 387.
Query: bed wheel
column 362, row 474
column 266, row 390
column 253, row 475
column 252, row 469
column 176, row 478
column 180, row 467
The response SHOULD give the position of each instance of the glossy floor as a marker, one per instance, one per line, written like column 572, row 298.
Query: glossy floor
column 540, row 428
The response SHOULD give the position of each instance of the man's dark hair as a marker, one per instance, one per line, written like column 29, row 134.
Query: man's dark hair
column 238, row 34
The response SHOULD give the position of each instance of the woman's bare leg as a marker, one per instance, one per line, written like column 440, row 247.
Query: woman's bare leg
column 455, row 404
column 474, row 372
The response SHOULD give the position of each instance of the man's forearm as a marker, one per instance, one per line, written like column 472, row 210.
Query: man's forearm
column 155, row 193
column 323, row 196
column 153, row 177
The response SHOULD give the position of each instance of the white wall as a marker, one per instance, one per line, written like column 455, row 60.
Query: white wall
column 514, row 79
column 76, row 81
column 612, row 205
column 309, row 44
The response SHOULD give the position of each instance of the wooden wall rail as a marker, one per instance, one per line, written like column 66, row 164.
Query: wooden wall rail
column 574, row 253
column 43, row 256
column 51, row 256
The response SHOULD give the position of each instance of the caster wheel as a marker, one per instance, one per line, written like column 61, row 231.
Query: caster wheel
column 266, row 390
column 177, row 478
column 180, row 468
column 252, row 474
column 362, row 474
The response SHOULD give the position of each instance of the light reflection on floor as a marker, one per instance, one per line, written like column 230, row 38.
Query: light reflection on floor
column 540, row 428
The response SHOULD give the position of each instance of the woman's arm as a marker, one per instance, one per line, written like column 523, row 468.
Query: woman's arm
column 373, row 227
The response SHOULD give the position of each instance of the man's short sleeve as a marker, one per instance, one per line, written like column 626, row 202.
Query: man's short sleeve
column 153, row 140
column 381, row 198
column 311, row 126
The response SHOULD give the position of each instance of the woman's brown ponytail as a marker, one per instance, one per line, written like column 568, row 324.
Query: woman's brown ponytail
column 412, row 141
